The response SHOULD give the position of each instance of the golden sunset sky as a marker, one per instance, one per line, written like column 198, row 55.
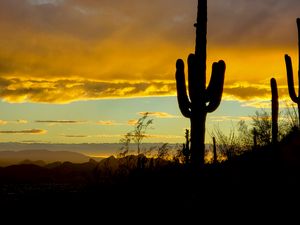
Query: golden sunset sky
column 67, row 65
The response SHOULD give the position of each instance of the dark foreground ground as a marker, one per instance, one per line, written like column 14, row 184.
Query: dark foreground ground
column 260, row 186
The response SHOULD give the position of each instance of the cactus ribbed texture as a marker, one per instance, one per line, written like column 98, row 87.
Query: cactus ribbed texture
column 274, row 111
column 290, row 77
column 200, row 100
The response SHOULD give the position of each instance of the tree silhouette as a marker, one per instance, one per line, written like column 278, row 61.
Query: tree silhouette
column 137, row 135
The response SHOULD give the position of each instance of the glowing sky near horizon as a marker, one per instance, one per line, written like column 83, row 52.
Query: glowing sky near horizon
column 66, row 65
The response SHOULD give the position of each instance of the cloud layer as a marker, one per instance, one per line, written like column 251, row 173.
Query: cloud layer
column 58, row 51
column 64, row 91
column 162, row 115
column 106, row 123
column 59, row 121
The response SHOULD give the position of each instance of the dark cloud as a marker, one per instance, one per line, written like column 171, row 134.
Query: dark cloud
column 255, row 22
column 59, row 121
column 251, row 92
column 75, row 136
column 246, row 93
column 32, row 131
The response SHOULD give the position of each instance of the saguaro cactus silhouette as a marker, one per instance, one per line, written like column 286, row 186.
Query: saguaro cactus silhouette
column 186, row 147
column 290, row 77
column 274, row 111
column 201, row 99
column 215, row 151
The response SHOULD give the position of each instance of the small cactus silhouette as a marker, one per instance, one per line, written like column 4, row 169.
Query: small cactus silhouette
column 186, row 147
column 201, row 99
column 290, row 77
column 215, row 151
column 274, row 111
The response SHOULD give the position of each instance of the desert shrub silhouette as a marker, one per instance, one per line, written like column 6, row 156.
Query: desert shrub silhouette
column 202, row 99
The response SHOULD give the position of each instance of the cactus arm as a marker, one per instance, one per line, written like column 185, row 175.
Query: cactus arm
column 215, row 88
column 211, row 89
column 290, row 78
column 183, row 100
column 213, row 77
column 274, row 110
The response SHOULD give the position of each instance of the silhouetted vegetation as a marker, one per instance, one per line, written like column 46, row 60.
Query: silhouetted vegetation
column 202, row 99
column 137, row 135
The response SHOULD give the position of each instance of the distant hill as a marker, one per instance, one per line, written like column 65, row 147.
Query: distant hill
column 90, row 149
column 40, row 157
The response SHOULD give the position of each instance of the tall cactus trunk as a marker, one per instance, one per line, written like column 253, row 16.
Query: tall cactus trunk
column 275, row 106
column 198, row 115
column 201, row 44
column 201, row 99
column 198, row 139
column 290, row 76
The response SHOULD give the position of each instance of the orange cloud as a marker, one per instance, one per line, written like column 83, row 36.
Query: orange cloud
column 2, row 122
column 65, row 51
column 65, row 91
column 106, row 123
column 22, row 121
column 158, row 114
column 132, row 122
column 229, row 118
